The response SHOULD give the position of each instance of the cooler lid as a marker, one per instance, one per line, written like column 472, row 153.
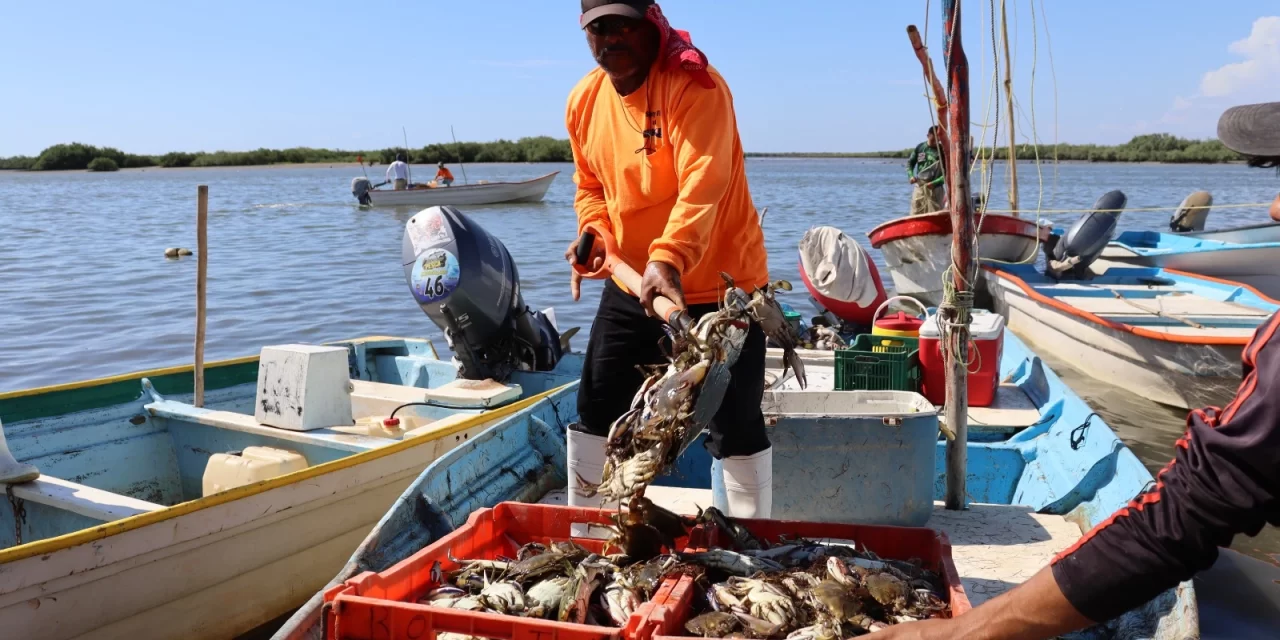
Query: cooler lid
column 899, row 321
column 985, row 326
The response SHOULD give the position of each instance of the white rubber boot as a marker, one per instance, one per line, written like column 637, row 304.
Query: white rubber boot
column 12, row 471
column 748, row 484
column 586, row 460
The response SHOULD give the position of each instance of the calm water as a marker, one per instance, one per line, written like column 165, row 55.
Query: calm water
column 85, row 290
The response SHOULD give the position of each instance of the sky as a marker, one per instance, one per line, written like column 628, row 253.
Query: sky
column 808, row 75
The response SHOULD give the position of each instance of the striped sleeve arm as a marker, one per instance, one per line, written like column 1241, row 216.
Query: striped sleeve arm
column 1224, row 480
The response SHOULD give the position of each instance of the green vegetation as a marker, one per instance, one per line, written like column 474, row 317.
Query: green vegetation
column 101, row 163
column 78, row 156
column 1156, row 147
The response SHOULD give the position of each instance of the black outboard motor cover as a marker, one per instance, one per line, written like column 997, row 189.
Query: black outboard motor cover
column 360, row 188
column 1081, row 245
column 466, row 282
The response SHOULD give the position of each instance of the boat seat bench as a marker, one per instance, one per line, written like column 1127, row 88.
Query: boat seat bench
column 76, row 498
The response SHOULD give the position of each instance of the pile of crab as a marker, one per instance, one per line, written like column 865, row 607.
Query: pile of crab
column 661, row 422
column 563, row 582
column 805, row 590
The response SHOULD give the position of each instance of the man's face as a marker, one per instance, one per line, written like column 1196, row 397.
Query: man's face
column 933, row 139
column 622, row 46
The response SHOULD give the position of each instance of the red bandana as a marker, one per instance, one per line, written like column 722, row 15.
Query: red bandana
column 676, row 47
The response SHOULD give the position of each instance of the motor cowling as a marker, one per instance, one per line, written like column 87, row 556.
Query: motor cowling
column 360, row 188
column 840, row 275
column 1081, row 245
column 1192, row 213
column 466, row 282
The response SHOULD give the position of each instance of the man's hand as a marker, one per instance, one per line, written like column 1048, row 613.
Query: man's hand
column 911, row 179
column 594, row 263
column 660, row 279
column 1275, row 209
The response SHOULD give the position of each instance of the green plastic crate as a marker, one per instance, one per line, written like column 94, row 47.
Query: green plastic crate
column 879, row 363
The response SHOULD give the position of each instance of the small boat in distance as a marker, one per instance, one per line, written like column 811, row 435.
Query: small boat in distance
column 1252, row 262
column 458, row 195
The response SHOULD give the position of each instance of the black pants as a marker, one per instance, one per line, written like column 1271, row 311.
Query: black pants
column 623, row 337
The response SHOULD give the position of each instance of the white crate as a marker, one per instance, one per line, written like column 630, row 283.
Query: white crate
column 303, row 387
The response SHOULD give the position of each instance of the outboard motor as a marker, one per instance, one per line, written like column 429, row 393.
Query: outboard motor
column 1081, row 245
column 360, row 188
column 840, row 276
column 1192, row 213
column 466, row 282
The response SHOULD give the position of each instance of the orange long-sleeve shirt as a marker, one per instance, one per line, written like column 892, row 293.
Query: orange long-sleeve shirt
column 687, row 203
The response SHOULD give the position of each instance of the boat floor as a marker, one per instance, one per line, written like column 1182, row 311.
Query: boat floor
column 995, row 547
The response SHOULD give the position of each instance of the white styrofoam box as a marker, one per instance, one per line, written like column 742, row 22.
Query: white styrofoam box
column 226, row 471
column 303, row 387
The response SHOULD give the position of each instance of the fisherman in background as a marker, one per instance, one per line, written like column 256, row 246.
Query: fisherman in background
column 924, row 170
column 1224, row 481
column 444, row 177
column 399, row 171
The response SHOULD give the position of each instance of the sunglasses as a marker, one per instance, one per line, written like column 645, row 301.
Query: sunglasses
column 611, row 25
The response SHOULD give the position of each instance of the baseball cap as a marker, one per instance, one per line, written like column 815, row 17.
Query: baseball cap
column 1252, row 129
column 593, row 9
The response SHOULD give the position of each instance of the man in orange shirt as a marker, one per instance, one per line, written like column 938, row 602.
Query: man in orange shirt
column 659, row 164
column 443, row 175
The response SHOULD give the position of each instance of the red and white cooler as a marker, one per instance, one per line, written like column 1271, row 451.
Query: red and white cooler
column 985, row 350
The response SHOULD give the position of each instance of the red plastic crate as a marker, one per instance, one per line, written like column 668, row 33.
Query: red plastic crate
column 931, row 547
column 382, row 606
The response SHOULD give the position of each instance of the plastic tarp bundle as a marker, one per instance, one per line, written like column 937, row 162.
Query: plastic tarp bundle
column 838, row 268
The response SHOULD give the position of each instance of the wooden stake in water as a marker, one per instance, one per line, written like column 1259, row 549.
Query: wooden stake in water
column 459, row 151
column 202, row 269
column 959, row 300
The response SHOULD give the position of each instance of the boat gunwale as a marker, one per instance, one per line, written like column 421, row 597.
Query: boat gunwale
column 931, row 226
column 463, row 187
column 1063, row 307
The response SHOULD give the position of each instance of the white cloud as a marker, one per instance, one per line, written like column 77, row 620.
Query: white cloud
column 1260, row 68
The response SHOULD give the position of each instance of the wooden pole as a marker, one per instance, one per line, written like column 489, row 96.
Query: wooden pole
column 955, row 308
column 939, row 97
column 202, row 270
column 458, row 150
column 1008, row 96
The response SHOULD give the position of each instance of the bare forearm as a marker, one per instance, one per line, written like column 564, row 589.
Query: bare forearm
column 1035, row 609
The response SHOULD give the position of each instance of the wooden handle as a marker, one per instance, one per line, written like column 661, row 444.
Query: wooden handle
column 664, row 307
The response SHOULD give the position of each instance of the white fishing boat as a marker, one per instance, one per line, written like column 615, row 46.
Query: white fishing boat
column 126, row 534
column 457, row 195
column 917, row 249
column 1269, row 232
column 1175, row 338
column 1251, row 262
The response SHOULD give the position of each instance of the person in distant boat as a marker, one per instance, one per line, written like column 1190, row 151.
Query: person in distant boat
column 924, row 170
column 659, row 164
column 443, row 175
column 1224, row 480
column 399, row 171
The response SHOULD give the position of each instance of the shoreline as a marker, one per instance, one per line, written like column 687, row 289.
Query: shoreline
column 749, row 156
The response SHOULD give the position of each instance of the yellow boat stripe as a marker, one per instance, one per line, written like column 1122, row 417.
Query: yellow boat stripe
column 50, row 545
column 124, row 377
column 182, row 368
